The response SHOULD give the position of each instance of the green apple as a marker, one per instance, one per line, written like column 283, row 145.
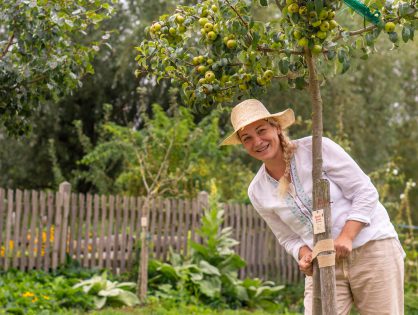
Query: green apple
column 261, row 81
column 212, row 35
column 323, row 14
column 203, row 21
column 156, row 26
column 201, row 69
column 214, row 8
column 208, row 27
column 293, row 8
column 303, row 10
column 195, row 61
column 172, row 31
column 297, row 34
column 179, row 19
column 231, row 44
column 321, row 34
column 268, row 74
column 390, row 27
column 332, row 24
column 209, row 76
column 303, row 42
column 316, row 49
column 201, row 59
column 324, row 26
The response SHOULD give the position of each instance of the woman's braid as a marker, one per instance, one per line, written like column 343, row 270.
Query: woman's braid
column 288, row 150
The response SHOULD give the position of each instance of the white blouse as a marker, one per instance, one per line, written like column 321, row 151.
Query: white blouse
column 353, row 197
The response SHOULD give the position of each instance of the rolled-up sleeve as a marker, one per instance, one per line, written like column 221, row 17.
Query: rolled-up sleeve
column 353, row 182
column 286, row 237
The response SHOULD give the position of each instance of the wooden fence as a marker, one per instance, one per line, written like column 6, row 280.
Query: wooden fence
column 39, row 229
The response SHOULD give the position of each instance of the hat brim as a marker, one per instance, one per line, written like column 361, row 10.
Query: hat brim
column 285, row 119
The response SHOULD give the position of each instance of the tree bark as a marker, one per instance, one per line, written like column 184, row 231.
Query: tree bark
column 142, row 283
column 324, row 298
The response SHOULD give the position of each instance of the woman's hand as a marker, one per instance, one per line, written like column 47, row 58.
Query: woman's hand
column 305, row 260
column 343, row 246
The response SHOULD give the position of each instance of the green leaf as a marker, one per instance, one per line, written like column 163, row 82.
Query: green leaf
column 210, row 287
column 264, row 3
column 393, row 36
column 284, row 66
column 300, row 83
column 406, row 34
column 209, row 269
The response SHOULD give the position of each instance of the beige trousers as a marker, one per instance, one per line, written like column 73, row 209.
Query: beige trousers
column 372, row 278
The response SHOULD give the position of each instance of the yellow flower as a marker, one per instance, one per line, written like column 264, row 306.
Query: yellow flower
column 34, row 299
column 46, row 297
column 28, row 294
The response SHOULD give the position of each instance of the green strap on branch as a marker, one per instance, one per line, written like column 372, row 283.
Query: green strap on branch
column 364, row 11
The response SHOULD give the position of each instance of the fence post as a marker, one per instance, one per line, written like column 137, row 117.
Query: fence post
column 65, row 192
column 202, row 205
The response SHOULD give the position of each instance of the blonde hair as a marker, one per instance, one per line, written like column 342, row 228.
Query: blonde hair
column 288, row 149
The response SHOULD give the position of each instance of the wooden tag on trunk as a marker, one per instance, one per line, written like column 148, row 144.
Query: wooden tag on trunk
column 318, row 221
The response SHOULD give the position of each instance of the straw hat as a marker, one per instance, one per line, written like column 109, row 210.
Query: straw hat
column 250, row 111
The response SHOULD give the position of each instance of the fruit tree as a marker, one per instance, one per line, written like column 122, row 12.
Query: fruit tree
column 216, row 51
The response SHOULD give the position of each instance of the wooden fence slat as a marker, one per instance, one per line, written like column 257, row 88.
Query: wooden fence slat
column 101, row 247
column 167, row 210
column 22, row 252
column 139, row 203
column 173, row 224
column 96, row 209
column 33, row 235
column 80, row 224
column 109, row 231
column 194, row 219
column 16, row 230
column 58, row 231
column 87, row 227
column 2, row 217
column 72, row 243
column 124, row 227
column 41, row 224
column 187, row 226
column 180, row 231
column 131, row 232
column 65, row 194
column 116, row 233
column 50, row 231
column 157, row 221
column 9, row 220
column 244, row 237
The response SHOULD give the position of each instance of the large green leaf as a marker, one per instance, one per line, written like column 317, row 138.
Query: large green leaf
column 210, row 287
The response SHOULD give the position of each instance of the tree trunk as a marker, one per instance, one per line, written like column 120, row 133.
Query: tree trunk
column 324, row 298
column 142, row 283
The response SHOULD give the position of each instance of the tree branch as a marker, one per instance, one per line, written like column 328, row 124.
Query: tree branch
column 279, row 6
column 366, row 29
column 9, row 43
column 237, row 13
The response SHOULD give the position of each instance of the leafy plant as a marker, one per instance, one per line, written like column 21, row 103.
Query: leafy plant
column 210, row 274
column 34, row 292
column 107, row 292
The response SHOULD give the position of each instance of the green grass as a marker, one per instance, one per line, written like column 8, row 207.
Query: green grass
column 178, row 310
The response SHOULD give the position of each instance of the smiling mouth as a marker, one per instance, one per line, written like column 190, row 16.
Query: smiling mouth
column 262, row 149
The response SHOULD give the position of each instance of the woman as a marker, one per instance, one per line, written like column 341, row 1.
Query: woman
column 369, row 258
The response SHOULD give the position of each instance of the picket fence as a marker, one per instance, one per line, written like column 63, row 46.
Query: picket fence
column 40, row 229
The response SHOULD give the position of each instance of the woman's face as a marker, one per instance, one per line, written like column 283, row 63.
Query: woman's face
column 261, row 140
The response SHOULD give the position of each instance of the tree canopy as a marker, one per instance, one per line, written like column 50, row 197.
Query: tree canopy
column 43, row 55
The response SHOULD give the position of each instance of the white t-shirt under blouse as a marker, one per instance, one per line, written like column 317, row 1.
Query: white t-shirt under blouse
column 353, row 197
